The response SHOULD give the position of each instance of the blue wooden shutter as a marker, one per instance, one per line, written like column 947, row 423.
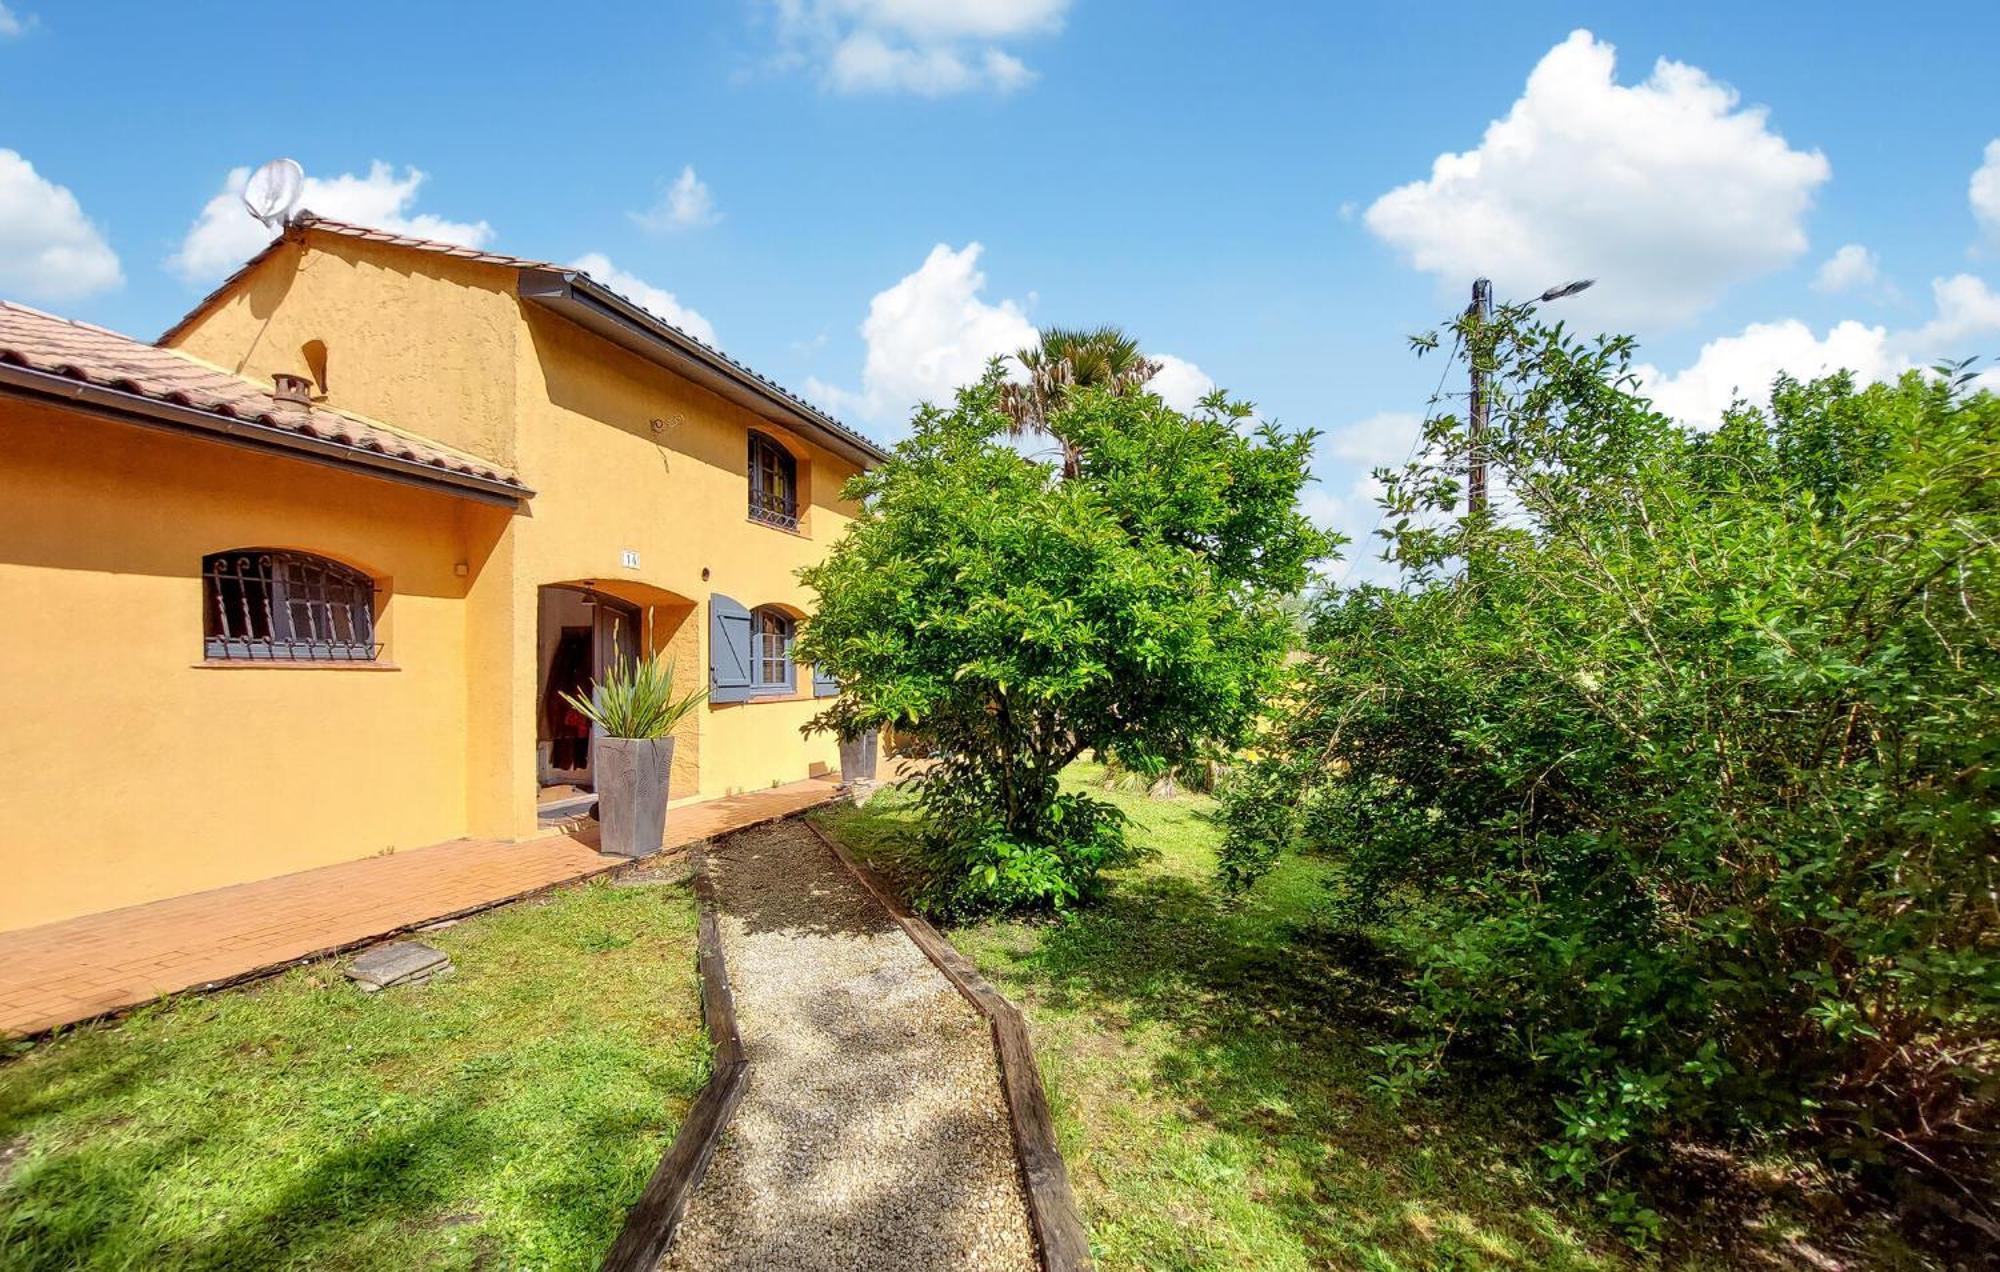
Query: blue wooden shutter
column 728, row 650
column 824, row 686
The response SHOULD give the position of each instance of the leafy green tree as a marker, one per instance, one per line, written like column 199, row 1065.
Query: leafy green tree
column 1066, row 359
column 1674, row 777
column 1014, row 620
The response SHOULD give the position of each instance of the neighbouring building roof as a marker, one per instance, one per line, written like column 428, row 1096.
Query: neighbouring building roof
column 574, row 294
column 85, row 367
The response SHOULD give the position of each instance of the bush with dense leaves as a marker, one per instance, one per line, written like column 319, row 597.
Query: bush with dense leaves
column 1010, row 618
column 973, row 863
column 1673, row 781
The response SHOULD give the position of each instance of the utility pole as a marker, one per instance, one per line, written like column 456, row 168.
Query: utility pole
column 1477, row 315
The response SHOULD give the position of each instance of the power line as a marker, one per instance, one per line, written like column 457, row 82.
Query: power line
column 1416, row 443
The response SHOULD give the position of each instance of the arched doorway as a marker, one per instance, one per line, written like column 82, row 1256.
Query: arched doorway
column 581, row 633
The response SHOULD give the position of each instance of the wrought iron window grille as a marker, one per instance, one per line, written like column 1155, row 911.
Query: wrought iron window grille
column 263, row 604
column 774, row 482
column 773, row 511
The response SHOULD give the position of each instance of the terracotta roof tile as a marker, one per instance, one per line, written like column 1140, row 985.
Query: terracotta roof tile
column 307, row 220
column 79, row 351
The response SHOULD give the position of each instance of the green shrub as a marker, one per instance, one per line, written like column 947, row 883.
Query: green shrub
column 1675, row 784
column 1009, row 616
column 973, row 863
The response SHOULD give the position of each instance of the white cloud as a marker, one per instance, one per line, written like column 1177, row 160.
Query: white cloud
column 1984, row 192
column 1180, row 383
column 687, row 204
column 934, row 331
column 933, row 20
column 865, row 62
column 1344, row 497
column 927, row 335
column 834, row 399
column 13, row 24
column 660, row 303
column 225, row 234
column 1967, row 309
column 928, row 47
column 1341, row 500
column 1667, row 192
column 1743, row 365
column 1322, row 507
column 48, row 249
column 1386, row 439
column 1849, row 267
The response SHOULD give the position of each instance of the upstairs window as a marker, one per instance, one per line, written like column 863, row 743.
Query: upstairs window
column 273, row 605
column 770, row 651
column 774, row 483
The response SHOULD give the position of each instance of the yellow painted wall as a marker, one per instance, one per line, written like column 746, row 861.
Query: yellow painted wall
column 607, row 481
column 429, row 349
column 129, row 771
column 443, row 347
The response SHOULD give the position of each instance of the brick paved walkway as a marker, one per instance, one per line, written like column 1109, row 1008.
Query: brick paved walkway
column 61, row 973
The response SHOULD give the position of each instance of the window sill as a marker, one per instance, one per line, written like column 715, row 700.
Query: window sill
column 756, row 698
column 293, row 664
column 797, row 532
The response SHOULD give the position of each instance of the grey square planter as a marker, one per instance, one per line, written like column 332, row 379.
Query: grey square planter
column 857, row 759
column 631, row 778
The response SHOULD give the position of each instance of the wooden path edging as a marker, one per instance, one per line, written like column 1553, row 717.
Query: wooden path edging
column 650, row 1224
column 1059, row 1231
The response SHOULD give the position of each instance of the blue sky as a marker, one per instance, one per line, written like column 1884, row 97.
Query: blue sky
column 1250, row 189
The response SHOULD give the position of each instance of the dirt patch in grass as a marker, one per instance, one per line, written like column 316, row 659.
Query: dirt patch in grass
column 504, row 1117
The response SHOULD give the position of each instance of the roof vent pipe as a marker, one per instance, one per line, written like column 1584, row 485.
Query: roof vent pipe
column 295, row 389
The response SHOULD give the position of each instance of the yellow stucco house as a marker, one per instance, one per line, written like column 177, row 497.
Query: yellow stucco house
column 299, row 583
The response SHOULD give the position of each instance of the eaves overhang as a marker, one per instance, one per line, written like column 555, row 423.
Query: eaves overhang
column 574, row 296
column 121, row 406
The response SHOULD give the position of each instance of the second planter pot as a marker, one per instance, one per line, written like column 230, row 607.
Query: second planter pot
column 857, row 759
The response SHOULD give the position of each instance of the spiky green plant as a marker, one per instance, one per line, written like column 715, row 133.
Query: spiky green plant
column 636, row 699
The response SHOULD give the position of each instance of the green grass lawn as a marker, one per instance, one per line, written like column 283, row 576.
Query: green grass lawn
column 1206, row 1062
column 504, row 1116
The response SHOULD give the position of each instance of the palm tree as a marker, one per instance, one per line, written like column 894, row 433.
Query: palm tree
column 1067, row 359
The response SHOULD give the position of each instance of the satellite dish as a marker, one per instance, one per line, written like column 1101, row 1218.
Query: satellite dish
column 272, row 193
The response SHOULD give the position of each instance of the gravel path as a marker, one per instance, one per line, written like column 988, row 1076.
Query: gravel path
column 873, row 1133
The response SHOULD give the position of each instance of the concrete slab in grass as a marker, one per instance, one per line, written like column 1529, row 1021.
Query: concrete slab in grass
column 397, row 963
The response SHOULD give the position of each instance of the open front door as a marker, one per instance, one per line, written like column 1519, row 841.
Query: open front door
column 617, row 631
column 583, row 634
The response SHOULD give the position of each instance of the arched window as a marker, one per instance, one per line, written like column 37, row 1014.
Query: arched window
column 770, row 651
column 270, row 604
column 774, row 483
